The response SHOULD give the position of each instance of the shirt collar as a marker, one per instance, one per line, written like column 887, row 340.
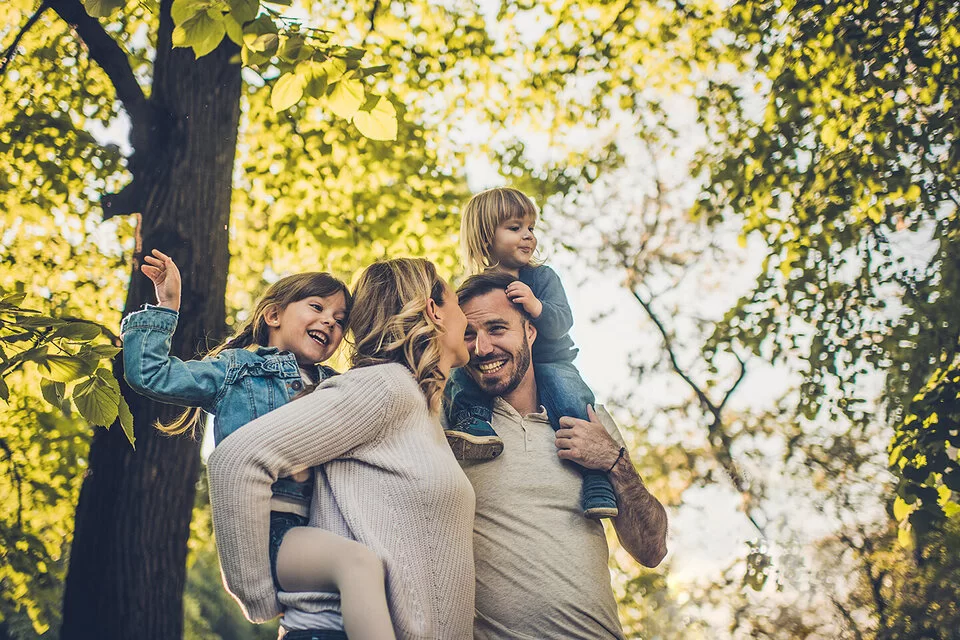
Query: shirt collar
column 502, row 406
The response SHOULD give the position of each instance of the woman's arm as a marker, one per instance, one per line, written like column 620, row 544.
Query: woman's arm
column 343, row 414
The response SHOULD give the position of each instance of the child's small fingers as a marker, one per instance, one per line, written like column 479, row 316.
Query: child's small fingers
column 161, row 255
column 150, row 260
column 151, row 272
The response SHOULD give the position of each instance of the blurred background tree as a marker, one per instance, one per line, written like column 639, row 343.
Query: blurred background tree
column 766, row 191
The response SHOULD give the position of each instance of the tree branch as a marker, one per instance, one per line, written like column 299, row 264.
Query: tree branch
column 7, row 55
column 109, row 55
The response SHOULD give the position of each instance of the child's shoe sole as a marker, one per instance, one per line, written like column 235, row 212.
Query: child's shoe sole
column 598, row 513
column 469, row 447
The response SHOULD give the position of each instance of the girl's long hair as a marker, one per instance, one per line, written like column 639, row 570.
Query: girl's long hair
column 390, row 321
column 281, row 293
column 480, row 218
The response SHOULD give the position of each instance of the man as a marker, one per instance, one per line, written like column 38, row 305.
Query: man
column 541, row 565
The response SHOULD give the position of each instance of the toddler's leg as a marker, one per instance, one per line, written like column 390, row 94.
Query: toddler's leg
column 564, row 393
column 311, row 559
column 468, row 412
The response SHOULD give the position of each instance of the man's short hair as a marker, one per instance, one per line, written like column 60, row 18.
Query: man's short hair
column 483, row 283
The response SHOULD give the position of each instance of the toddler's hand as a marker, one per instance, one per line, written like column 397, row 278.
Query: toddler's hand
column 165, row 275
column 521, row 294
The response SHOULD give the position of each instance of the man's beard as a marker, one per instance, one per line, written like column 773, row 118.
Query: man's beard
column 521, row 362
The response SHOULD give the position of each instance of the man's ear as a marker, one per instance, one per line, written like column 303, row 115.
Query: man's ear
column 531, row 330
column 272, row 315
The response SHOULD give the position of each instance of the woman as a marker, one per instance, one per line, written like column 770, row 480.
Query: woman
column 388, row 479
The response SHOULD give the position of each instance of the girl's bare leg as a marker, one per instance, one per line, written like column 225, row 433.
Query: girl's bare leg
column 311, row 559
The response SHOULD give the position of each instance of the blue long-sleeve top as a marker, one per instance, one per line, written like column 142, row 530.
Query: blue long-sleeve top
column 553, row 343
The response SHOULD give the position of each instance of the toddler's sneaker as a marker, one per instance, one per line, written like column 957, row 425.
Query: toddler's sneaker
column 474, row 440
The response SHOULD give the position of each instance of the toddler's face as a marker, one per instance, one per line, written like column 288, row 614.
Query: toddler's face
column 311, row 329
column 514, row 243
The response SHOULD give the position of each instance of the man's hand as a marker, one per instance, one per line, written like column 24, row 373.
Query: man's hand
column 586, row 442
column 165, row 275
column 521, row 294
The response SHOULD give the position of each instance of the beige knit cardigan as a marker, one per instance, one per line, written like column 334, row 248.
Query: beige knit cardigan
column 391, row 483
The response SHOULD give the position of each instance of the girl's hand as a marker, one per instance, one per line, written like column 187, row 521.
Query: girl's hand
column 521, row 294
column 165, row 275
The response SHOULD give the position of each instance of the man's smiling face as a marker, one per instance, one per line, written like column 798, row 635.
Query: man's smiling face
column 498, row 338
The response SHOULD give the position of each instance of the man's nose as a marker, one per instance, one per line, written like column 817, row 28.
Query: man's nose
column 482, row 345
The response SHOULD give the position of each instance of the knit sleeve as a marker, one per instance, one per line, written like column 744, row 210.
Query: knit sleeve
column 343, row 414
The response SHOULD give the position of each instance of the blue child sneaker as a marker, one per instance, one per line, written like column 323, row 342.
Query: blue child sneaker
column 474, row 439
column 598, row 499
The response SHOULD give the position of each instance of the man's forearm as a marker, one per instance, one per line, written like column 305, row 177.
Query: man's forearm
column 642, row 523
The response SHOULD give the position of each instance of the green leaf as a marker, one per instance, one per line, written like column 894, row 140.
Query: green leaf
column 18, row 337
column 234, row 30
column 291, row 47
column 266, row 43
column 4, row 391
column 244, row 10
column 346, row 98
column 126, row 421
column 13, row 300
column 201, row 32
column 102, row 8
column 53, row 392
column 39, row 322
column 79, row 331
column 183, row 10
column 380, row 123
column 334, row 68
column 287, row 91
column 316, row 77
column 901, row 509
column 103, row 350
column 98, row 400
column 64, row 368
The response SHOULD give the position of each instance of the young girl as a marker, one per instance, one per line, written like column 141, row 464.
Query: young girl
column 297, row 324
column 497, row 234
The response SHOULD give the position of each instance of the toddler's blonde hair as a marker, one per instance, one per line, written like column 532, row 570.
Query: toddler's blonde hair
column 481, row 216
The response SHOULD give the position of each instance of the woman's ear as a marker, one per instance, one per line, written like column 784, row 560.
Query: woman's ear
column 271, row 315
column 434, row 312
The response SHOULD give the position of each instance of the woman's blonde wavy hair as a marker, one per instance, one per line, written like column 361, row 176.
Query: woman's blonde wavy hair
column 480, row 218
column 390, row 321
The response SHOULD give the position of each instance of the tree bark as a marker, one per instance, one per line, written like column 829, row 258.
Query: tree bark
column 127, row 566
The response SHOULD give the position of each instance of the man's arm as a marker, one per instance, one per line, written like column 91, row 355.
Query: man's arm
column 641, row 525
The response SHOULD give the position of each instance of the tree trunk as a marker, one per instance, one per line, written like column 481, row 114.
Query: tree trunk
column 127, row 566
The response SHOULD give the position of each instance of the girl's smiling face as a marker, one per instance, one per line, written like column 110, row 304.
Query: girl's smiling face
column 311, row 329
column 514, row 243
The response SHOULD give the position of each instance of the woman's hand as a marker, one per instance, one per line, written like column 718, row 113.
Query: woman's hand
column 165, row 275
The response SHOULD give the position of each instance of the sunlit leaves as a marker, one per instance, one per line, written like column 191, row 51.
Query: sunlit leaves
column 202, row 32
column 102, row 8
column 346, row 97
column 287, row 91
column 64, row 353
column 380, row 122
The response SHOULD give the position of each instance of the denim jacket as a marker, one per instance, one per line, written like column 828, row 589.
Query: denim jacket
column 235, row 386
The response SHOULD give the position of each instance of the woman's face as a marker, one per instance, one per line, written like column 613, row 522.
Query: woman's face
column 453, row 349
